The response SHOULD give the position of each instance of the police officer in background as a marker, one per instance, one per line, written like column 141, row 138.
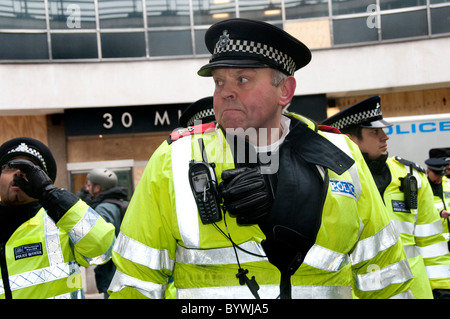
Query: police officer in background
column 407, row 195
column 45, row 231
column 296, row 218
column 109, row 200
column 441, row 191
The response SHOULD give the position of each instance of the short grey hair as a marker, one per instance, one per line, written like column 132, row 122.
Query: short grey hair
column 278, row 77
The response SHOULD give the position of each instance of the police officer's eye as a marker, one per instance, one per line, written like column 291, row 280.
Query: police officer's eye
column 243, row 80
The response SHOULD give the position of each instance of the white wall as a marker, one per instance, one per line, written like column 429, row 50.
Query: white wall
column 51, row 87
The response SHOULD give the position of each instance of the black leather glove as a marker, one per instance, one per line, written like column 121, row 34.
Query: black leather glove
column 37, row 184
column 247, row 194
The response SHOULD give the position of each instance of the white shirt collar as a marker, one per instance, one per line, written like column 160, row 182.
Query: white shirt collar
column 285, row 122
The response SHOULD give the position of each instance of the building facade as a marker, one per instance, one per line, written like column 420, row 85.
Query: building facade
column 103, row 82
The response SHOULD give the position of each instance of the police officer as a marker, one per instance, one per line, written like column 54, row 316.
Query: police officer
column 406, row 193
column 441, row 190
column 45, row 231
column 262, row 205
column 201, row 111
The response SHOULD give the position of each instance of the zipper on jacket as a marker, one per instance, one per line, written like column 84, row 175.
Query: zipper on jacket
column 5, row 276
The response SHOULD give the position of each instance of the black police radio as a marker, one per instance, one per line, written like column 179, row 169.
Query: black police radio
column 410, row 189
column 203, row 181
column 204, row 188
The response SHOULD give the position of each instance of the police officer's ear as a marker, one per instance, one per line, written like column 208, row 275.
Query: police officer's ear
column 287, row 88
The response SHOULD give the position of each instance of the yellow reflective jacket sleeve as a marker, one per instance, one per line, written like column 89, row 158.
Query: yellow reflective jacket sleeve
column 92, row 237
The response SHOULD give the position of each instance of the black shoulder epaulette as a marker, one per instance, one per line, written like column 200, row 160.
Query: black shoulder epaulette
column 196, row 129
column 409, row 163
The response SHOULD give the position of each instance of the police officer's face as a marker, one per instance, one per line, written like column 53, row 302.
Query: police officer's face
column 10, row 193
column 372, row 142
column 435, row 178
column 246, row 98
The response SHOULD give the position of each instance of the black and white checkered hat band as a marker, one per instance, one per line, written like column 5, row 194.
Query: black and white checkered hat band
column 200, row 115
column 252, row 47
column 358, row 118
column 24, row 148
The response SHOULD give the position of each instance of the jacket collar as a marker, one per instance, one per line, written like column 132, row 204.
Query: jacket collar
column 314, row 148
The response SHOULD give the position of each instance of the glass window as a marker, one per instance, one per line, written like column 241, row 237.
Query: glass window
column 25, row 14
column 260, row 10
column 167, row 13
column 200, row 46
column 66, row 14
column 74, row 46
column 208, row 12
column 438, row 1
column 396, row 4
column 123, row 45
column 398, row 25
column 120, row 13
column 351, row 6
column 440, row 20
column 353, row 31
column 310, row 9
column 167, row 43
column 23, row 46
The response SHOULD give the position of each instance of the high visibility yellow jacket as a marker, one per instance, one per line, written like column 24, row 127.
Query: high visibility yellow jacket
column 162, row 235
column 420, row 230
column 444, row 203
column 43, row 258
column 442, row 269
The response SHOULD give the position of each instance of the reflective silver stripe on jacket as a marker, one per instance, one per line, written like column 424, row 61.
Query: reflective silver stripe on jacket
column 404, row 295
column 438, row 271
column 404, row 227
column 52, row 242
column 435, row 250
column 325, row 259
column 378, row 278
column 136, row 252
column 220, row 256
column 266, row 292
column 148, row 289
column 186, row 207
column 369, row 247
column 78, row 294
column 429, row 229
column 40, row 276
column 83, row 226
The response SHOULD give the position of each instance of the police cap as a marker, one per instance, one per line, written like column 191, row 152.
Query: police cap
column 366, row 113
column 201, row 110
column 243, row 43
column 31, row 148
column 437, row 165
